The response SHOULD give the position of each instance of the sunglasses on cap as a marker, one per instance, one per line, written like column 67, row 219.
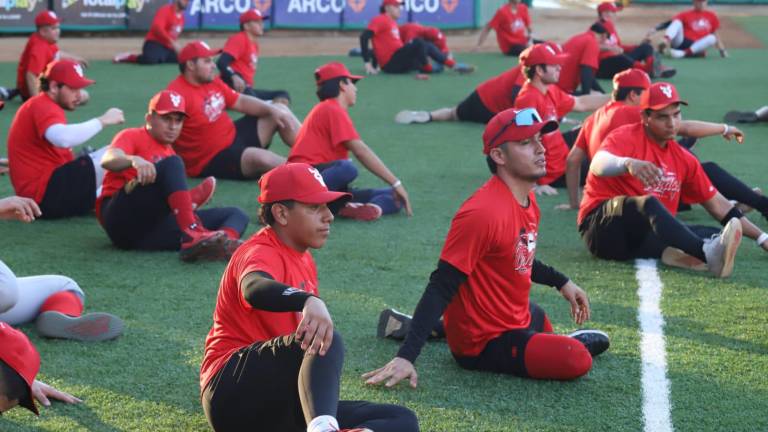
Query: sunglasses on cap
column 524, row 117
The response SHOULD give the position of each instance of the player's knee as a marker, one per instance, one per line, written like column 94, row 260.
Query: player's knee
column 579, row 361
column 170, row 167
column 237, row 220
column 347, row 170
column 9, row 293
column 649, row 204
column 405, row 419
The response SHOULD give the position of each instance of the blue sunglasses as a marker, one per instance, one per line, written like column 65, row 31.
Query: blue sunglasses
column 524, row 117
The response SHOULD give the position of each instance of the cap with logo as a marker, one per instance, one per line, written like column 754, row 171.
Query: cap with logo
column 298, row 182
column 196, row 49
column 46, row 18
column 166, row 102
column 252, row 15
column 514, row 125
column 631, row 78
column 659, row 96
column 542, row 53
column 607, row 7
column 21, row 356
column 333, row 70
column 67, row 72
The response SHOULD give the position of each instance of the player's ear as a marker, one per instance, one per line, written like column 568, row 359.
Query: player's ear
column 497, row 155
column 280, row 213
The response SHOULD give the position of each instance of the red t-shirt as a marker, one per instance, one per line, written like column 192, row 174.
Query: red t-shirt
column 583, row 50
column 32, row 159
column 613, row 38
column 496, row 93
column 235, row 323
column 492, row 240
column 166, row 26
column 411, row 31
column 697, row 24
column 246, row 55
column 602, row 122
column 551, row 106
column 208, row 128
column 323, row 134
column 386, row 38
column 683, row 177
column 36, row 55
column 510, row 26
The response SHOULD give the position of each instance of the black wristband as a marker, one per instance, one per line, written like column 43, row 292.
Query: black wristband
column 732, row 213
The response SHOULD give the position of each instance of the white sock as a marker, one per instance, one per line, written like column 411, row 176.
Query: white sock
column 323, row 423
column 676, row 53
column 703, row 43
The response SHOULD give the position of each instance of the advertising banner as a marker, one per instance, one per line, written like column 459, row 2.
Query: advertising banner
column 359, row 12
column 19, row 15
column 225, row 14
column 142, row 12
column 308, row 13
column 91, row 14
column 443, row 13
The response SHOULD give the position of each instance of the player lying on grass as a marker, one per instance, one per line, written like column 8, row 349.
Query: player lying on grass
column 240, row 58
column 512, row 25
column 759, row 115
column 211, row 144
column 145, row 202
column 40, row 144
column 161, row 45
column 273, row 357
column 637, row 179
column 482, row 283
column 691, row 33
column 325, row 140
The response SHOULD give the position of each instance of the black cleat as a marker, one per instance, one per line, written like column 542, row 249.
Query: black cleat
column 595, row 341
column 741, row 117
column 393, row 324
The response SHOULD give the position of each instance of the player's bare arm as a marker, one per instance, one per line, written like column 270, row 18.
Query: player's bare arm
column 701, row 129
column 256, row 107
column 31, row 83
column 372, row 163
column 719, row 207
column 483, row 35
column 590, row 102
column 572, row 174
column 116, row 160
column 19, row 208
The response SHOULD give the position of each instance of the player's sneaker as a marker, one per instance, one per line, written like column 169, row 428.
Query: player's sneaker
column 408, row 117
column 595, row 341
column 229, row 247
column 741, row 117
column 393, row 324
column 355, row 52
column 464, row 68
column 720, row 250
column 676, row 53
column 359, row 211
column 8, row 93
column 199, row 243
column 126, row 57
column 91, row 327
column 202, row 193
column 667, row 72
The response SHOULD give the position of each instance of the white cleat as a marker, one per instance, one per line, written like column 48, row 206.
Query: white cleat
column 408, row 117
column 720, row 250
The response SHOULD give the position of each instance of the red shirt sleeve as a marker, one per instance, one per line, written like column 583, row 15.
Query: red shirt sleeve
column 47, row 118
column 617, row 147
column 123, row 142
column 581, row 138
column 696, row 186
column 494, row 22
column 38, row 60
column 523, row 11
column 715, row 22
column 564, row 102
column 375, row 25
column 591, row 54
column 341, row 127
column 267, row 262
column 527, row 100
column 468, row 240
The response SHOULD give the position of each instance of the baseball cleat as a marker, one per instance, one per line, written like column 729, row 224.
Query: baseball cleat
column 720, row 250
column 8, row 93
column 741, row 117
column 464, row 68
column 657, row 66
column 91, row 327
column 668, row 72
column 408, row 117
column 359, row 211
column 126, row 57
column 676, row 53
column 201, row 244
column 595, row 341
column 202, row 193
column 229, row 247
column 393, row 324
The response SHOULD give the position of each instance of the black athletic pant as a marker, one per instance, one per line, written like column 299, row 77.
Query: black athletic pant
column 625, row 227
column 612, row 65
column 274, row 386
column 516, row 49
column 267, row 95
column 141, row 219
column 413, row 56
column 154, row 53
column 734, row 189
column 71, row 190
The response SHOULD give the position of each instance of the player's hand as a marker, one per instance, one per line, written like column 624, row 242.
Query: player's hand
column 545, row 190
column 393, row 372
column 42, row 391
column 19, row 208
column 578, row 300
column 734, row 132
column 239, row 83
column 112, row 116
column 370, row 70
column 566, row 207
column 402, row 194
column 315, row 331
column 145, row 170
column 283, row 117
column 645, row 171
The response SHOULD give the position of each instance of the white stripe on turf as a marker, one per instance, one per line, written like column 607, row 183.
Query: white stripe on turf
column 653, row 351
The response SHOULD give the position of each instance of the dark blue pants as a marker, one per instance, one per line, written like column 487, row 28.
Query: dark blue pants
column 337, row 175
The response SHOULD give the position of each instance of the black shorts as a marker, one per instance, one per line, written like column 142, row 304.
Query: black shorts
column 472, row 109
column 267, row 95
column 71, row 190
column 516, row 49
column 227, row 163
column 506, row 353
column 153, row 52
column 411, row 56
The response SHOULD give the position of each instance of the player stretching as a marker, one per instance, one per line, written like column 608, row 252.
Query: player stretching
column 512, row 25
column 161, row 45
column 691, row 33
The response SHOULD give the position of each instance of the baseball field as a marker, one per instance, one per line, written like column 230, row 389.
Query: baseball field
column 716, row 360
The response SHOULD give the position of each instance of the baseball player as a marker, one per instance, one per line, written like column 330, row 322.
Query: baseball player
column 512, row 25
column 412, row 30
column 394, row 56
column 240, row 58
column 40, row 50
column 325, row 140
column 759, row 115
column 273, row 357
column 541, row 67
column 638, row 177
column 161, row 45
column 42, row 165
column 582, row 61
column 211, row 144
column 482, row 282
column 145, row 202
column 691, row 33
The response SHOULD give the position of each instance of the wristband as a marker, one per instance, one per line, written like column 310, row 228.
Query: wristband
column 761, row 239
column 396, row 184
column 726, row 129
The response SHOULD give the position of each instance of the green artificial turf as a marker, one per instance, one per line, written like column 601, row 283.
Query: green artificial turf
column 147, row 380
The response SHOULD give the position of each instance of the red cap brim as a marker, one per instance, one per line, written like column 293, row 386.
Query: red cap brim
column 81, row 83
column 164, row 112
column 322, row 197
column 664, row 105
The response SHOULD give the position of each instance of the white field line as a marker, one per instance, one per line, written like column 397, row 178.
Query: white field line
column 653, row 351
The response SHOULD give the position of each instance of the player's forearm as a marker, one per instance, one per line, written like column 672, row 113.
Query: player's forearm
column 701, row 129
column 590, row 102
column 262, row 292
column 116, row 160
column 31, row 83
column 606, row 164
column 372, row 163
column 547, row 275
column 572, row 175
column 252, row 106
column 71, row 135
column 483, row 35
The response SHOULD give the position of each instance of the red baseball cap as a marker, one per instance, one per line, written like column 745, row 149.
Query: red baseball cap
column 196, row 49
column 632, row 78
column 166, row 102
column 21, row 356
column 252, row 15
column 392, row 2
column 514, row 125
column 607, row 7
column 298, row 182
column 660, row 95
column 67, row 72
column 542, row 53
column 333, row 70
column 46, row 18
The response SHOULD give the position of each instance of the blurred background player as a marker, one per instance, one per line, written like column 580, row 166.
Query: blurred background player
column 759, row 115
column 161, row 45
column 512, row 25
column 691, row 33
column 582, row 60
column 40, row 143
column 273, row 357
column 239, row 59
column 325, row 140
column 412, row 30
column 145, row 202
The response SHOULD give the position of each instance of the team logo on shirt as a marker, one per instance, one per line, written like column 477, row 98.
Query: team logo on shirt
column 356, row 5
column 668, row 186
column 213, row 106
column 518, row 24
column 701, row 25
column 525, row 250
column 395, row 32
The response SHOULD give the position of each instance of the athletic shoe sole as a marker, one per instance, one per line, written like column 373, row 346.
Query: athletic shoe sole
column 676, row 258
column 408, row 117
column 91, row 327
column 209, row 249
column 464, row 69
column 731, row 237
column 393, row 324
